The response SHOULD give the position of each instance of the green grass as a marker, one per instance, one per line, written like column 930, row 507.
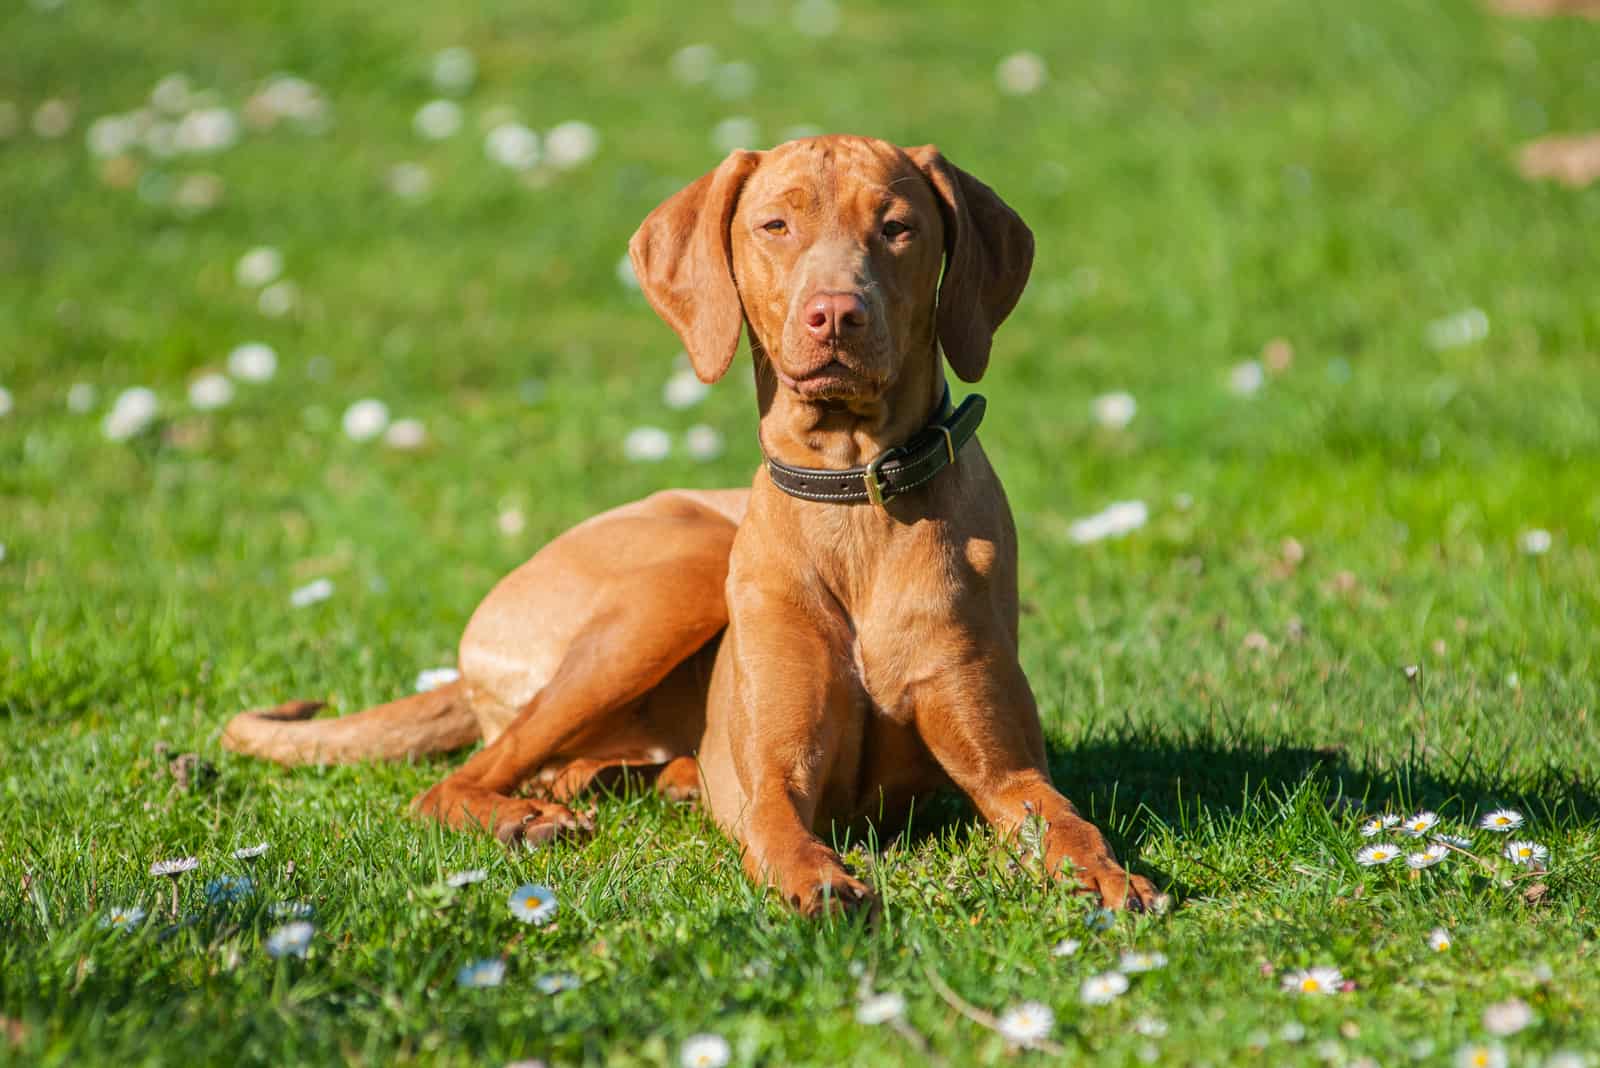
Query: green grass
column 1201, row 179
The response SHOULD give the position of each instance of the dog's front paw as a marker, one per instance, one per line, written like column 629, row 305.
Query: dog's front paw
column 1118, row 888
column 818, row 884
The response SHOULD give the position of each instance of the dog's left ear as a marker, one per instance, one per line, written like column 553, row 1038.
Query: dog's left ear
column 988, row 254
column 683, row 260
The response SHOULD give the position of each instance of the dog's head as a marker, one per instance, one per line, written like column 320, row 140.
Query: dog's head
column 832, row 249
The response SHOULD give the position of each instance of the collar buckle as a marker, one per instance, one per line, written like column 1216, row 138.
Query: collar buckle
column 875, row 486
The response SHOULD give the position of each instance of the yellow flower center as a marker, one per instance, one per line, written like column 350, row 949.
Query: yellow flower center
column 1310, row 984
column 1480, row 1058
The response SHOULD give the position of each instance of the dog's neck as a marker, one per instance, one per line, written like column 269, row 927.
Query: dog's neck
column 841, row 432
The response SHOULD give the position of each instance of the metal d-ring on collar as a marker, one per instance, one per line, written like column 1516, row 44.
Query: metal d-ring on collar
column 892, row 472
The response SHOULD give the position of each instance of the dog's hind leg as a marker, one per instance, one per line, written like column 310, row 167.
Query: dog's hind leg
column 433, row 722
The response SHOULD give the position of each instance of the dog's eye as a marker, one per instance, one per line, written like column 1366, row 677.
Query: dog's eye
column 777, row 227
column 894, row 228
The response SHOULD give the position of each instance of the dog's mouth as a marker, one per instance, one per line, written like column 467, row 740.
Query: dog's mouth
column 832, row 379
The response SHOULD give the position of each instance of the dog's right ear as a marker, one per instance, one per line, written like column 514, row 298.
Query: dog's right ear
column 683, row 259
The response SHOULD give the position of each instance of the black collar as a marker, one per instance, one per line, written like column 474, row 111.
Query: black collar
column 896, row 470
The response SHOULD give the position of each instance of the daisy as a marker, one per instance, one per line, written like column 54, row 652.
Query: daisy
column 1507, row 1017
column 291, row 910
column 1099, row 919
column 258, row 267
column 174, row 867
column 880, row 1008
column 80, row 397
column 683, row 390
column 365, row 419
column 1566, row 1058
column 227, row 889
column 704, row 1051
column 1528, row 854
column 557, row 982
column 1115, row 410
column 1420, row 824
column 1501, row 820
column 290, row 940
column 693, row 64
column 1150, row 1027
column 253, row 362
column 1481, row 1056
column 1427, row 858
column 1134, row 961
column 1439, row 939
column 571, row 144
column 1246, row 378
column 1027, row 1023
column 125, row 918
column 250, row 852
column 1020, row 74
column 406, row 434
column 1103, row 988
column 533, row 904
column 1313, row 981
column 702, row 442
column 1377, row 825
column 457, row 879
column 1067, row 947
column 132, row 411
column 481, row 974
column 312, row 593
column 278, row 299
column 437, row 120
column 647, row 444
column 512, row 145
column 1377, row 853
column 454, row 70
column 1460, row 841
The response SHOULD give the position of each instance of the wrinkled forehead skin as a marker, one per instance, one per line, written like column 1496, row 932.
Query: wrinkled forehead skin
column 840, row 182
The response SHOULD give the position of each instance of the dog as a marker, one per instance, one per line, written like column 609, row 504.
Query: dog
column 818, row 650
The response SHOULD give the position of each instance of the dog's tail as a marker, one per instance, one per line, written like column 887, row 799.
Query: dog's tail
column 433, row 722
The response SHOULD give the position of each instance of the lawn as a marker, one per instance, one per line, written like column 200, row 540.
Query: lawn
column 1365, row 360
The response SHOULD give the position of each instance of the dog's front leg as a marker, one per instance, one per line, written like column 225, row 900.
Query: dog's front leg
column 979, row 720
column 794, row 727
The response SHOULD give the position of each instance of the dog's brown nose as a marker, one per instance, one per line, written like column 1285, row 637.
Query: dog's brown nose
column 832, row 316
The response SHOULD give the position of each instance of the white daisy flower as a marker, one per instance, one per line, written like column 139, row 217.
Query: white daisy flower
column 1430, row 856
column 532, row 903
column 437, row 120
column 132, row 411
column 1420, row 824
column 1118, row 519
column 1150, row 1027
column 406, row 434
column 80, row 397
column 693, row 64
column 253, row 362
column 290, row 940
column 1020, row 74
column 702, row 442
column 53, row 118
column 111, row 135
column 454, row 70
column 6, row 403
column 1027, row 1023
column 1135, row 961
column 880, row 1008
column 1534, row 542
column 278, row 299
column 511, row 522
column 1457, row 840
column 1377, row 853
column 1067, row 947
column 1322, row 980
column 816, row 18
column 171, row 94
column 458, row 879
column 206, row 131
column 571, row 144
column 259, row 266
column 1501, row 820
column 1246, row 378
column 512, row 145
column 291, row 910
column 1378, row 824
column 557, row 982
column 1439, row 939
column 1528, row 854
column 1463, row 328
column 1115, row 410
column 1480, row 1055
column 433, row 678
column 251, row 852
column 735, row 132
column 314, row 592
column 1508, row 1017
column 410, row 180
column 197, row 194
column 482, row 974
column 1566, row 1058
column 684, row 389
column 704, row 1051
column 124, row 918
column 1293, row 1031
column 210, row 391
column 175, row 866
column 1103, row 988
column 365, row 419
column 647, row 444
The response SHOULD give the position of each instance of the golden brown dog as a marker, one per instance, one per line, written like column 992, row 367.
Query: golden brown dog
column 798, row 665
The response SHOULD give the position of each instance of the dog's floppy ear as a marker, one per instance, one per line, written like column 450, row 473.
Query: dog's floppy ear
column 988, row 253
column 682, row 258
